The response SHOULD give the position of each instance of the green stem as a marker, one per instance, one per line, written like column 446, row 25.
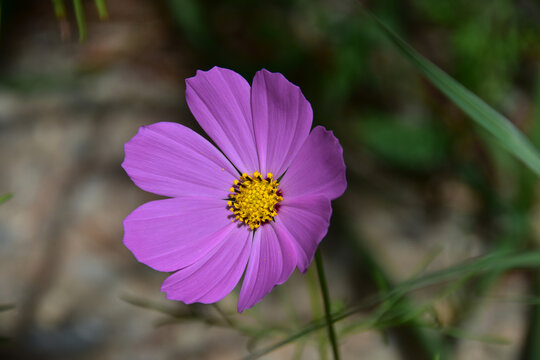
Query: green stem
column 531, row 348
column 101, row 6
column 326, row 300
column 316, row 310
column 81, row 22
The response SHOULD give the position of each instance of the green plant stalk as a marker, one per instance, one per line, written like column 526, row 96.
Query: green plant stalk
column 316, row 313
column 499, row 261
column 412, row 342
column 531, row 348
column 81, row 22
column 101, row 6
column 326, row 301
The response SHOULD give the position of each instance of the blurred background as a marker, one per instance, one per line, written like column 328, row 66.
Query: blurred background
column 428, row 189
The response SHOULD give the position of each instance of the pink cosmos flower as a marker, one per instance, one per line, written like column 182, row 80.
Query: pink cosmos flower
column 261, row 205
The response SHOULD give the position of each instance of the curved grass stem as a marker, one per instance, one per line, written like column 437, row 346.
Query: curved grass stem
column 326, row 301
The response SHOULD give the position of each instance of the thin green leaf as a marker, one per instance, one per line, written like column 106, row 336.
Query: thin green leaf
column 531, row 346
column 190, row 313
column 5, row 197
column 326, row 302
column 101, row 6
column 315, row 302
column 499, row 261
column 81, row 21
column 500, row 127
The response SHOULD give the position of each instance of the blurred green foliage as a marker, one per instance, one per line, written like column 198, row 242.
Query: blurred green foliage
column 349, row 72
column 411, row 145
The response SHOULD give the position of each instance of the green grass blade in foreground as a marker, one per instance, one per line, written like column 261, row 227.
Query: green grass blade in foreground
column 531, row 346
column 499, row 261
column 81, row 21
column 5, row 197
column 495, row 123
column 326, row 301
column 101, row 6
column 316, row 310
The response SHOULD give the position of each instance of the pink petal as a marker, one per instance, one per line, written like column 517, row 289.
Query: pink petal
column 281, row 118
column 220, row 101
column 271, row 262
column 215, row 275
column 305, row 220
column 173, row 233
column 318, row 169
column 172, row 160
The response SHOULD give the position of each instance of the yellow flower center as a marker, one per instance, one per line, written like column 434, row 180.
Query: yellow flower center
column 253, row 199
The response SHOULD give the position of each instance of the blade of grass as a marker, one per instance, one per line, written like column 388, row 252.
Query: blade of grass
column 5, row 197
column 326, row 301
column 101, row 6
column 500, row 127
column 411, row 341
column 81, row 22
column 531, row 348
column 316, row 313
column 499, row 261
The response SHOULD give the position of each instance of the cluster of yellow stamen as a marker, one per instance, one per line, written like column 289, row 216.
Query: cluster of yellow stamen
column 253, row 199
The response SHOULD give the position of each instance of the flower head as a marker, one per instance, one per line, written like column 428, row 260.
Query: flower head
column 261, row 205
